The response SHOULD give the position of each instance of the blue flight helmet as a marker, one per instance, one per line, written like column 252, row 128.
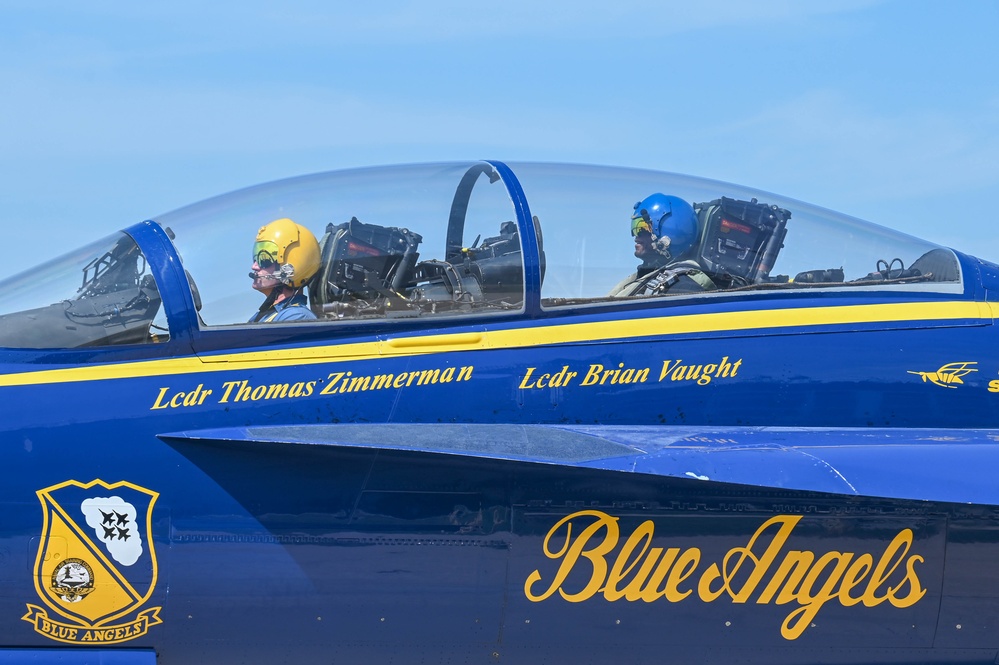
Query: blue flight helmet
column 671, row 221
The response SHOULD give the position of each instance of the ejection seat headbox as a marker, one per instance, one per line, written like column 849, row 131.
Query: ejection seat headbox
column 740, row 239
column 364, row 261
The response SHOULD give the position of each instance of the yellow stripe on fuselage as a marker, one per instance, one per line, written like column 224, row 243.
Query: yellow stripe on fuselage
column 568, row 333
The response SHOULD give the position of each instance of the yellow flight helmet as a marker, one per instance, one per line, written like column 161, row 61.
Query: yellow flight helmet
column 292, row 247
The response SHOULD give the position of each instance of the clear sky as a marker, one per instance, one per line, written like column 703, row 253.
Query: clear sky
column 114, row 112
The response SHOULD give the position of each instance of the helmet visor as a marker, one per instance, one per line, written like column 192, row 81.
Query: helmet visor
column 265, row 253
column 640, row 223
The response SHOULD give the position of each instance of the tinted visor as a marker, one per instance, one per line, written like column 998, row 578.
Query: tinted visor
column 640, row 223
column 265, row 253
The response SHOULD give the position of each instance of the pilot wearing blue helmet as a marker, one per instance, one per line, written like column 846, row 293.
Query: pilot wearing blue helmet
column 665, row 232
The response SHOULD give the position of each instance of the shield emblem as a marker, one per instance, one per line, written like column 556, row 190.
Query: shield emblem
column 96, row 561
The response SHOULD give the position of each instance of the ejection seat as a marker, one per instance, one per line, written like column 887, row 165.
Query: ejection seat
column 362, row 261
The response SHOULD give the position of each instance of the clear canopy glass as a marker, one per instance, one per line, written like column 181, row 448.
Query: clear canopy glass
column 404, row 205
column 585, row 213
column 443, row 240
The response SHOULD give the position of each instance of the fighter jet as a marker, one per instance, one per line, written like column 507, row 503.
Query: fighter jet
column 485, row 412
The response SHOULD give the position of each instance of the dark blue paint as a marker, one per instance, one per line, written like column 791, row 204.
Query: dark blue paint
column 77, row 657
column 403, row 524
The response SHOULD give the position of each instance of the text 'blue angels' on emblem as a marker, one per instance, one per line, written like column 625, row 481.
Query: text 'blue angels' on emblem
column 96, row 564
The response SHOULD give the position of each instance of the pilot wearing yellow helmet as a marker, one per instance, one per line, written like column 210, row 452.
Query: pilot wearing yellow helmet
column 285, row 257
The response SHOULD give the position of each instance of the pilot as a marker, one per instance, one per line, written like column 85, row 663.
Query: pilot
column 665, row 232
column 285, row 257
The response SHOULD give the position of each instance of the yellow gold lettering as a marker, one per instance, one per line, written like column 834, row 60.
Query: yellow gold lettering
column 429, row 376
column 571, row 552
column 344, row 384
column 244, row 392
column 192, row 397
column 643, row 534
column 916, row 590
column 277, row 391
column 667, row 368
column 641, row 571
column 701, row 374
column 381, row 381
column 561, row 377
column 333, row 379
column 524, row 385
column 359, row 383
column 791, row 572
column 228, row 385
column 760, row 564
column 704, row 590
column 592, row 375
column 798, row 620
column 894, row 555
column 651, row 591
column 853, row 576
column 680, row 571
column 547, row 380
column 635, row 590
column 158, row 404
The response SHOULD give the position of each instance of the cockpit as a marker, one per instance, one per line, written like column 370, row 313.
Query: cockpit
column 450, row 244
column 371, row 270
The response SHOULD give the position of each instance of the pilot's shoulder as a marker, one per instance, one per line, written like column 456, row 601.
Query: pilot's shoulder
column 295, row 312
column 624, row 287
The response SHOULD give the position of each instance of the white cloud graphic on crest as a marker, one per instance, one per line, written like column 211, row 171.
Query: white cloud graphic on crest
column 113, row 521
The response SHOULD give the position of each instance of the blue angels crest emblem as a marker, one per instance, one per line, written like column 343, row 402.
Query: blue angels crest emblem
column 96, row 563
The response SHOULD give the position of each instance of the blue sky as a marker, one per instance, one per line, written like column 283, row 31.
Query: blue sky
column 115, row 112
